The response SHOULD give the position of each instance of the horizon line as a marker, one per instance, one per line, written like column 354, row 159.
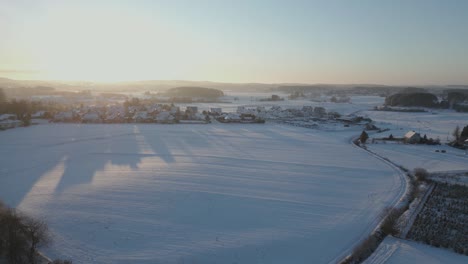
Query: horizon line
column 223, row 82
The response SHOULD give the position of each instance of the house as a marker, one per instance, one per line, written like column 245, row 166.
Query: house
column 191, row 110
column 8, row 123
column 38, row 114
column 240, row 109
column 216, row 110
column 174, row 109
column 412, row 137
column 320, row 111
column 164, row 117
column 142, row 117
column 91, row 117
column 465, row 143
column 7, row 117
column 67, row 116
column 114, row 117
column 232, row 117
column 308, row 109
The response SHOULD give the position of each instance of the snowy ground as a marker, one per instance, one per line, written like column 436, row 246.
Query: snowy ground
column 215, row 193
column 195, row 193
column 398, row 251
column 437, row 124
column 423, row 156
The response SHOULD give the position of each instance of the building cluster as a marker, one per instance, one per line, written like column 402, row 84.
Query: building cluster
column 155, row 113
column 277, row 112
column 9, row 121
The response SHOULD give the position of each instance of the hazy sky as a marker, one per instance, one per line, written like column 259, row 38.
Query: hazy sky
column 374, row 41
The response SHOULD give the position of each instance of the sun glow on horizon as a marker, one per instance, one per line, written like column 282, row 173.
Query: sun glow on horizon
column 241, row 41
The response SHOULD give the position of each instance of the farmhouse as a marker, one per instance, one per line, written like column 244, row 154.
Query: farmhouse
column 91, row 117
column 164, row 117
column 191, row 109
column 9, row 121
column 412, row 137
column 240, row 109
column 175, row 109
column 320, row 111
column 7, row 117
column 64, row 116
column 216, row 111
column 114, row 117
column 142, row 117
column 38, row 114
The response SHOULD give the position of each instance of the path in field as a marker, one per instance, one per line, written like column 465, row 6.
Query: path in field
column 194, row 193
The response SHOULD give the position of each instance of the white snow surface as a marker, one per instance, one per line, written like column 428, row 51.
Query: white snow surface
column 399, row 251
column 218, row 193
column 423, row 156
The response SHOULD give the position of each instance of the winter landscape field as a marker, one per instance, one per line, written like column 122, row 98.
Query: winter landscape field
column 222, row 193
column 233, row 132
column 195, row 193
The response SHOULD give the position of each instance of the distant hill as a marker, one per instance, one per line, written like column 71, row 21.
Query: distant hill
column 189, row 91
column 162, row 85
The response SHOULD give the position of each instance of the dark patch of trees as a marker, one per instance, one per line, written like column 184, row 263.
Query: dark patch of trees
column 201, row 92
column 457, row 96
column 363, row 137
column 21, row 236
column 273, row 98
column 388, row 226
column 421, row 174
column 421, row 99
column 459, row 137
column 3, row 97
column 464, row 133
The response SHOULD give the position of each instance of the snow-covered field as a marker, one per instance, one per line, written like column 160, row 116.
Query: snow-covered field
column 423, row 156
column 195, row 193
column 217, row 193
column 435, row 124
column 439, row 125
column 398, row 251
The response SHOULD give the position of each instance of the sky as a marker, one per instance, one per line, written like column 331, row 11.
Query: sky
column 396, row 42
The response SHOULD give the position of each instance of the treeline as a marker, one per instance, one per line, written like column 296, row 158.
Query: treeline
column 23, row 109
column 21, row 236
column 202, row 92
column 412, row 99
column 454, row 99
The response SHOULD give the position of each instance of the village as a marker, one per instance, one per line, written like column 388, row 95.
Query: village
column 130, row 112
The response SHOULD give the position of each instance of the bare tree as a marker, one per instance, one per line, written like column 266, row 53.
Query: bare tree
column 363, row 137
column 14, row 243
column 21, row 236
column 389, row 223
column 456, row 133
column 36, row 232
column 421, row 174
